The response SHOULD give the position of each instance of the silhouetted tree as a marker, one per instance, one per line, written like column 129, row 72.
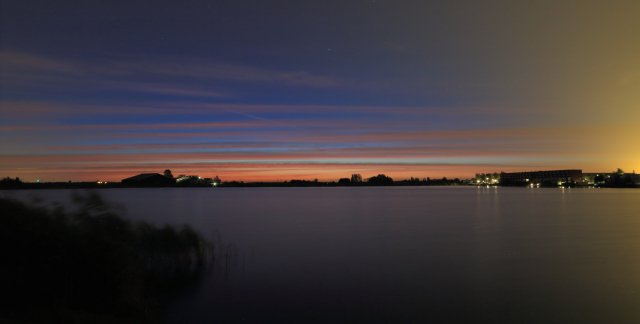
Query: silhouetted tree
column 380, row 179
column 356, row 178
column 10, row 180
column 10, row 183
column 217, row 180
column 344, row 181
column 167, row 173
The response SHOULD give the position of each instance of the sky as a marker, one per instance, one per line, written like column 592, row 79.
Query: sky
column 279, row 90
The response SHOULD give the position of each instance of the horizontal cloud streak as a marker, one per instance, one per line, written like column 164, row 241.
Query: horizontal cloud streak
column 17, row 109
column 20, row 69
column 506, row 149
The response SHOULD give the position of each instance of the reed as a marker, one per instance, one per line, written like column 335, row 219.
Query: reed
column 92, row 263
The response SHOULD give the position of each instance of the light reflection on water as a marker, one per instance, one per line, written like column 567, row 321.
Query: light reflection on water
column 406, row 254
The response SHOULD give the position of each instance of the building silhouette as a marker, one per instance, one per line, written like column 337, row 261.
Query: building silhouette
column 555, row 177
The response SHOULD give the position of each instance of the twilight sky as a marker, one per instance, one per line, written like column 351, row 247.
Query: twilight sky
column 267, row 90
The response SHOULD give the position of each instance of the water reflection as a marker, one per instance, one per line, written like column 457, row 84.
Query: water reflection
column 410, row 254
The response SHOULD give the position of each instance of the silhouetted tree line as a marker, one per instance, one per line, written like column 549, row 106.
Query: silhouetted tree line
column 431, row 182
column 380, row 180
column 355, row 180
column 233, row 184
column 17, row 183
column 9, row 183
column 619, row 179
column 91, row 265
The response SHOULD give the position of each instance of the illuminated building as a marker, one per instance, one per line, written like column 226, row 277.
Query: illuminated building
column 541, row 177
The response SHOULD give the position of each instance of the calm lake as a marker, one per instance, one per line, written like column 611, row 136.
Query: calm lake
column 404, row 254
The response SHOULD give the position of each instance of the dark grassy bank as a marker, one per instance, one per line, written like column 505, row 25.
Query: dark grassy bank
column 91, row 265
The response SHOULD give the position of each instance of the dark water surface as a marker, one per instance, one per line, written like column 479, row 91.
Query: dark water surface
column 406, row 254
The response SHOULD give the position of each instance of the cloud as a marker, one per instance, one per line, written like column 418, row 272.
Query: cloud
column 413, row 147
column 198, row 68
column 267, row 155
column 398, row 115
column 20, row 70
column 117, row 137
column 165, row 89
column 123, row 127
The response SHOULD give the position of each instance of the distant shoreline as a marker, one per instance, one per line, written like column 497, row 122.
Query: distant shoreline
column 118, row 185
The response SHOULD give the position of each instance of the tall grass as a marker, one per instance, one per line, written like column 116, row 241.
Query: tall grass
column 91, row 263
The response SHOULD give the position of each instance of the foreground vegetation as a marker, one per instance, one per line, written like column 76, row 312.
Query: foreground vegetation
column 91, row 265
